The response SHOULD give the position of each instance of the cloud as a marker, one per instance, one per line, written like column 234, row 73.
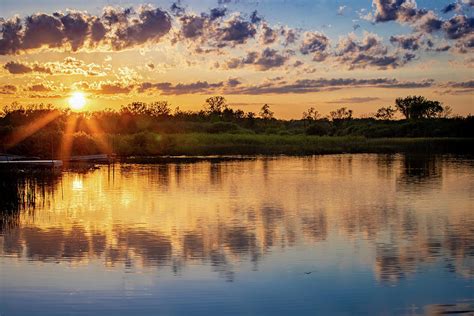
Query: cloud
column 115, row 29
column 236, row 30
column 235, row 86
column 451, row 7
column 341, row 9
column 463, row 84
column 199, row 87
column 214, row 30
column 176, row 9
column 17, row 68
column 69, row 65
column 457, row 88
column 39, row 88
column 268, row 59
column 355, row 100
column 290, row 36
column 465, row 45
column 217, row 13
column 396, row 10
column 459, row 26
column 114, row 88
column 315, row 43
column 407, row 42
column 267, row 34
column 8, row 89
column 322, row 84
column 368, row 52
column 107, row 87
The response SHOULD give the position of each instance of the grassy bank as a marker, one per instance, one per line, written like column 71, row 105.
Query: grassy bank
column 151, row 144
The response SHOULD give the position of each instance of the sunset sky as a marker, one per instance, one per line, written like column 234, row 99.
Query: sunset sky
column 289, row 54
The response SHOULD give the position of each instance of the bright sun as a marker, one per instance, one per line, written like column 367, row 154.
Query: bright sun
column 77, row 101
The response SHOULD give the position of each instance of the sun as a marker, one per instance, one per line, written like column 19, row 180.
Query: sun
column 77, row 101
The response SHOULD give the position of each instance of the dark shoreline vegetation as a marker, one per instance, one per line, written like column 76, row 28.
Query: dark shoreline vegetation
column 146, row 130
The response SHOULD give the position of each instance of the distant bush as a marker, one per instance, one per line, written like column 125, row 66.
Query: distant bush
column 320, row 128
column 223, row 127
column 84, row 144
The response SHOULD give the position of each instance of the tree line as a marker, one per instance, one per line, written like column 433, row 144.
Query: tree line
column 138, row 124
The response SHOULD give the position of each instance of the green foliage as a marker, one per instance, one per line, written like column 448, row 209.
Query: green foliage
column 225, row 127
column 319, row 128
column 142, row 129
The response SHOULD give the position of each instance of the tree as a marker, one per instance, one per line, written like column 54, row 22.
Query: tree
column 265, row 112
column 216, row 104
column 250, row 116
column 340, row 114
column 159, row 108
column 417, row 107
column 446, row 113
column 135, row 108
column 385, row 113
column 311, row 115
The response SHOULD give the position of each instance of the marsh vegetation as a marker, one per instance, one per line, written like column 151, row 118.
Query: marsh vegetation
column 146, row 129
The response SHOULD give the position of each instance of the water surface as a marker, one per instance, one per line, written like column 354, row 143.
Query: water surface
column 328, row 235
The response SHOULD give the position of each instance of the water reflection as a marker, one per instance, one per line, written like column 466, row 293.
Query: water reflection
column 20, row 191
column 220, row 215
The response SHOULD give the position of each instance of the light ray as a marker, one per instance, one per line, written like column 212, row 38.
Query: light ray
column 99, row 135
column 26, row 131
column 67, row 139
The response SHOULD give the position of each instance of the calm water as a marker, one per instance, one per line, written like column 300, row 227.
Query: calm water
column 343, row 234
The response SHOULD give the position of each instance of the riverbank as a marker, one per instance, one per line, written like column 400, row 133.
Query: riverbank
column 196, row 144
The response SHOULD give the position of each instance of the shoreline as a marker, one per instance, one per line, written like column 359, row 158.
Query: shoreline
column 292, row 145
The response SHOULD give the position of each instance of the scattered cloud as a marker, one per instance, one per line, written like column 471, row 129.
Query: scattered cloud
column 407, row 42
column 265, row 60
column 8, row 89
column 368, row 52
column 316, row 44
column 69, row 65
column 457, row 88
column 341, row 10
column 354, row 100
column 115, row 29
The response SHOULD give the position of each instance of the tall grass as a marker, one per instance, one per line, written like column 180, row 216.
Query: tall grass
column 149, row 144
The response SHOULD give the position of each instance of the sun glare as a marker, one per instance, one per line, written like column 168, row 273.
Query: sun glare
column 77, row 101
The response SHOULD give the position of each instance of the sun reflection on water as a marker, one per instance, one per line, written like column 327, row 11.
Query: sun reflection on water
column 216, row 214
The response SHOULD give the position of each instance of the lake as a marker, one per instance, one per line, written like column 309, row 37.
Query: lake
column 326, row 235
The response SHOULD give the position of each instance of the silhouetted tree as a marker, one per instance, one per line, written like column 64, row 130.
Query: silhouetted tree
column 311, row 115
column 340, row 114
column 417, row 107
column 265, row 112
column 385, row 113
column 446, row 113
column 250, row 115
column 216, row 104
column 159, row 108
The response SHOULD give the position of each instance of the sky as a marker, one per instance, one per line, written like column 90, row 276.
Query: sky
column 291, row 55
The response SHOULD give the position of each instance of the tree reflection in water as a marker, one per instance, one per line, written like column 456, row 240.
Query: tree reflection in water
column 216, row 214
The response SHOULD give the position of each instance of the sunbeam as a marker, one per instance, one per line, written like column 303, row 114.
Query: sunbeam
column 99, row 136
column 67, row 139
column 30, row 129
